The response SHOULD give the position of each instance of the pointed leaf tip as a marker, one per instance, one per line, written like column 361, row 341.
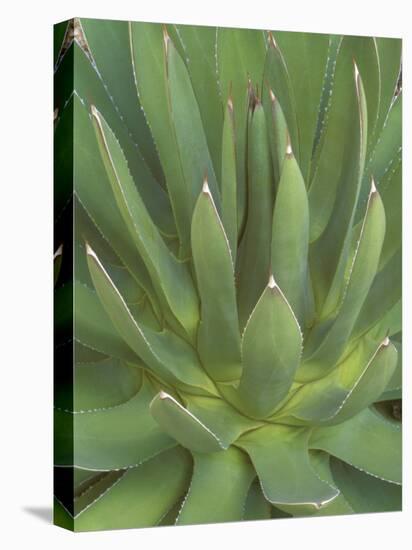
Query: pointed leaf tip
column 58, row 252
column 272, row 96
column 373, row 186
column 272, row 283
column 205, row 187
column 91, row 252
column 289, row 151
column 386, row 342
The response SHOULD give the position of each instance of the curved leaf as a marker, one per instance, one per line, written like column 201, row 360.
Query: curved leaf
column 359, row 280
column 166, row 353
column 172, row 279
column 113, row 438
column 290, row 237
column 183, row 425
column 218, row 488
column 367, row 441
column 140, row 497
column 271, row 349
column 281, row 458
column 365, row 493
column 254, row 254
column 218, row 337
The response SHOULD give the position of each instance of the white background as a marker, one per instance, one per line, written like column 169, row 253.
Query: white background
column 26, row 272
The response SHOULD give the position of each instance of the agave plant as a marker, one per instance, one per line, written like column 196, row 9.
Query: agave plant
column 235, row 197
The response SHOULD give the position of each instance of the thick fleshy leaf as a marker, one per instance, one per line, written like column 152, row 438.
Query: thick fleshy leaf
column 365, row 493
column 305, row 55
column 141, row 496
column 290, row 237
column 114, row 438
column 228, row 181
column 276, row 79
column 256, row 506
column 254, row 254
column 183, row 425
column 323, row 351
column 96, row 385
column 148, row 54
column 218, row 489
column 281, row 458
column 188, row 128
column 391, row 193
column 384, row 293
column 240, row 57
column 354, row 384
column 221, row 418
column 341, row 142
column 91, row 181
column 320, row 462
column 390, row 56
column 90, row 89
column 199, row 45
column 167, row 354
column 271, row 350
column 172, row 279
column 93, row 327
column 368, row 441
column 109, row 45
column 218, row 337
column 278, row 133
column 329, row 255
column 387, row 150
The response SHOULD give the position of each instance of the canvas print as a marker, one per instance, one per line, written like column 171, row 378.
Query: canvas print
column 227, row 274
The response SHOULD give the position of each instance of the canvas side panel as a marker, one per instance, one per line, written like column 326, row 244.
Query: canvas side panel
column 63, row 275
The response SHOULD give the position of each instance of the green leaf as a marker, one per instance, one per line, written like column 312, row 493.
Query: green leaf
column 188, row 129
column 218, row 489
column 105, row 384
column 113, row 438
column 148, row 54
column 320, row 462
column 365, row 493
column 172, row 279
column 256, row 506
column 182, row 425
column 391, row 193
column 353, row 385
column 94, row 329
column 140, row 497
column 220, row 417
column 167, row 354
column 89, row 90
column 338, row 180
column 254, row 254
column 387, row 152
column 240, row 57
column 290, row 237
column 367, row 441
column 278, row 133
column 390, row 56
column 322, row 352
column 200, row 50
column 340, row 155
column 91, row 181
column 109, row 45
column 218, row 338
column 271, row 350
column 277, row 82
column 59, row 34
column 384, row 293
column 281, row 458
column 305, row 56
column 229, row 179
